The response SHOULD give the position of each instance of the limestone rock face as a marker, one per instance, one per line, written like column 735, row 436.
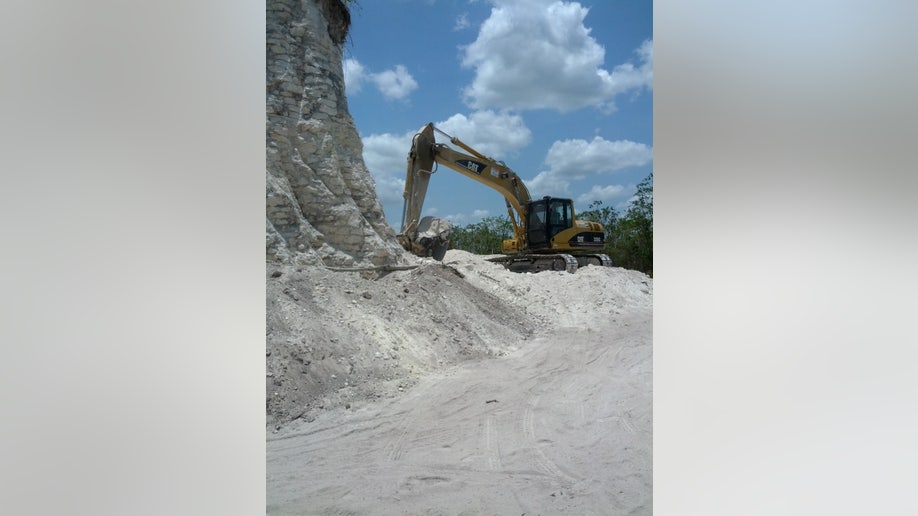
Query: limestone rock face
column 321, row 204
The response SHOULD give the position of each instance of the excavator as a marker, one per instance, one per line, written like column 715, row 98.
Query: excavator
column 546, row 233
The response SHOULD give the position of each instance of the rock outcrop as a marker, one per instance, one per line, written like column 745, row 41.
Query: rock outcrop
column 321, row 202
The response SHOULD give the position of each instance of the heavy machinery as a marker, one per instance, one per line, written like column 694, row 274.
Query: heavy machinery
column 546, row 233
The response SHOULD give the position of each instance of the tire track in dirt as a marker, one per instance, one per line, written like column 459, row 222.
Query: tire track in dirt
column 416, row 432
column 539, row 431
column 394, row 449
column 491, row 445
column 543, row 462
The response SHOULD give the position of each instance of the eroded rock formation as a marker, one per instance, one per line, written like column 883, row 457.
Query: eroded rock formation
column 321, row 203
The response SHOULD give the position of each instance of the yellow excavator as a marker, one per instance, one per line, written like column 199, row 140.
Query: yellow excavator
column 546, row 233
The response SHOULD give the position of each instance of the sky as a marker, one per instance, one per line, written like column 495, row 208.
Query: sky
column 562, row 92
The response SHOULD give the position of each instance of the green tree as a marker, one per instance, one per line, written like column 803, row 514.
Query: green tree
column 635, row 241
column 605, row 215
column 483, row 237
column 629, row 237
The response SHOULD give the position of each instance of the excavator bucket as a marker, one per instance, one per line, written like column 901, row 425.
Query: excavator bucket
column 428, row 236
column 429, row 239
column 432, row 237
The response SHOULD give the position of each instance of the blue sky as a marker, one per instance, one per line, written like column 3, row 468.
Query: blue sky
column 562, row 92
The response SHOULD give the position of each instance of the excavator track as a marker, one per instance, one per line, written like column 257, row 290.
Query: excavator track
column 551, row 262
column 602, row 260
column 538, row 262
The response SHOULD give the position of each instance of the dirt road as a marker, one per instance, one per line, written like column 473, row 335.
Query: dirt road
column 560, row 426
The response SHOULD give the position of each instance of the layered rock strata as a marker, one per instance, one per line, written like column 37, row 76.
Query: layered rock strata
column 321, row 203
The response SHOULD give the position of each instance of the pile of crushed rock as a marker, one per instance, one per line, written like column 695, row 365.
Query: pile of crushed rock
column 344, row 339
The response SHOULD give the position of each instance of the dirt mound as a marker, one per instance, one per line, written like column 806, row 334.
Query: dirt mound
column 556, row 299
column 341, row 339
column 529, row 393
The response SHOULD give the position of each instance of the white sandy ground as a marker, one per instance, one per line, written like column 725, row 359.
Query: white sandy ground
column 554, row 419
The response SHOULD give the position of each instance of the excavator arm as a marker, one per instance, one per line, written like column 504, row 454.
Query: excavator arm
column 430, row 236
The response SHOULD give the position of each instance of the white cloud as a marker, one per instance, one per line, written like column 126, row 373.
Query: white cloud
column 497, row 135
column 628, row 76
column 534, row 55
column 608, row 194
column 394, row 84
column 462, row 22
column 464, row 219
column 384, row 156
column 353, row 75
column 545, row 183
column 458, row 219
column 574, row 160
column 389, row 190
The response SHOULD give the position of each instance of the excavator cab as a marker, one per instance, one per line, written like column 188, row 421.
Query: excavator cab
column 546, row 218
